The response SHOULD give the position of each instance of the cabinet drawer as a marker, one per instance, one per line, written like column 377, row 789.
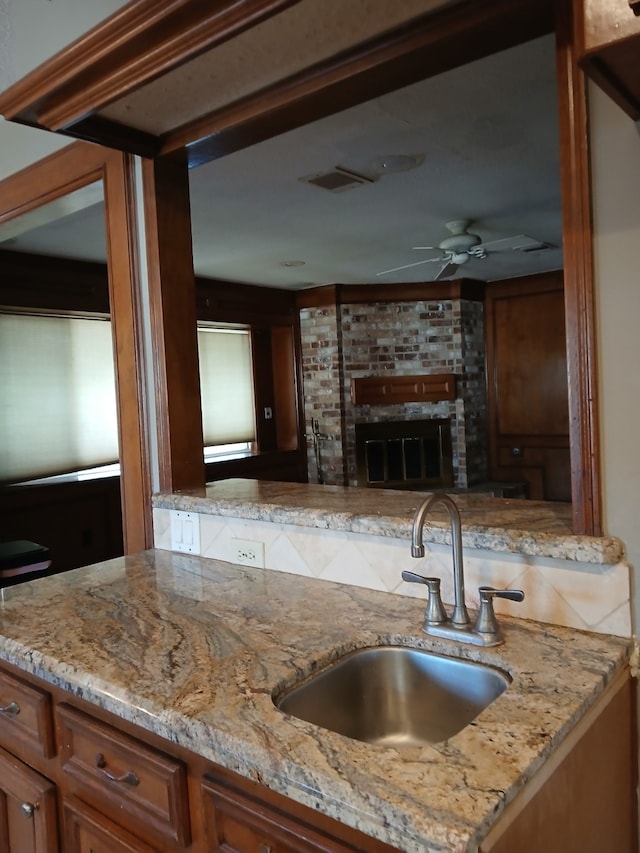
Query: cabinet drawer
column 138, row 787
column 235, row 822
column 87, row 832
column 26, row 721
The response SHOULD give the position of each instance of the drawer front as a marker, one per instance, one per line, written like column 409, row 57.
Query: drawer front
column 138, row 787
column 237, row 823
column 87, row 832
column 26, row 721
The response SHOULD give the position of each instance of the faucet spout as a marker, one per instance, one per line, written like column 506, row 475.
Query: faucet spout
column 460, row 616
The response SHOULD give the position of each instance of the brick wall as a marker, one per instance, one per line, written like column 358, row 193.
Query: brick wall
column 404, row 338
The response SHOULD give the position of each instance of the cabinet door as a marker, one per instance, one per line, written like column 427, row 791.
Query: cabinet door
column 28, row 817
column 88, row 832
column 527, row 385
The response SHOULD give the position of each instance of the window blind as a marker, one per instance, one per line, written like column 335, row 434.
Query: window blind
column 57, row 396
column 226, row 383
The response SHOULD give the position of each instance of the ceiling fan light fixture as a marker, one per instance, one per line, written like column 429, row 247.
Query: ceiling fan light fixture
column 460, row 242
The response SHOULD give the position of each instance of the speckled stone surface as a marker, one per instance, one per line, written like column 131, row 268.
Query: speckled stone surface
column 536, row 528
column 192, row 649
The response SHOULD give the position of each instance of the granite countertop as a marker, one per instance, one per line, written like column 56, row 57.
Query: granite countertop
column 192, row 649
column 535, row 528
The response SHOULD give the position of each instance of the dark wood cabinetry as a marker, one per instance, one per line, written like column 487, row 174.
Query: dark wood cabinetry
column 28, row 809
column 109, row 785
column 527, row 385
column 131, row 783
column 237, row 823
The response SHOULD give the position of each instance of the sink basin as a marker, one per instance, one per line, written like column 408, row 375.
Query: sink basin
column 395, row 695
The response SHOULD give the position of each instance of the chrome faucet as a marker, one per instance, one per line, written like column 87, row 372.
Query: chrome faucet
column 436, row 622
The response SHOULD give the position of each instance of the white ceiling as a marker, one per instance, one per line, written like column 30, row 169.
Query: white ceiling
column 485, row 136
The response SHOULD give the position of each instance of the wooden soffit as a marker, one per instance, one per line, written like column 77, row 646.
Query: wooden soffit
column 162, row 76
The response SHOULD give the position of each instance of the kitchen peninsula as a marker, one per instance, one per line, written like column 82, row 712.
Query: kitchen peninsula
column 180, row 656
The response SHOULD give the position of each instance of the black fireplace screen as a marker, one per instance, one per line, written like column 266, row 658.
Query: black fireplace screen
column 404, row 454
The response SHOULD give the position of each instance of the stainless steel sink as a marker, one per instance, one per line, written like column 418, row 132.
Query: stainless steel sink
column 395, row 695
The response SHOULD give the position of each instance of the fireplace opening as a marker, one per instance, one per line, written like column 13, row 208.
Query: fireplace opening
column 404, row 454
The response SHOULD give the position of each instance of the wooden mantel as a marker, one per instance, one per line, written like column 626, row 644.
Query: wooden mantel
column 429, row 388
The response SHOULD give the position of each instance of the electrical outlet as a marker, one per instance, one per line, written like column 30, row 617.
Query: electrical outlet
column 185, row 532
column 247, row 553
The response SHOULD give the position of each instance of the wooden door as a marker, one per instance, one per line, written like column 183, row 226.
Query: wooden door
column 527, row 385
column 28, row 817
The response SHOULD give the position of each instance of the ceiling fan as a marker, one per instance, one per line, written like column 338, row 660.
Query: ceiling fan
column 461, row 247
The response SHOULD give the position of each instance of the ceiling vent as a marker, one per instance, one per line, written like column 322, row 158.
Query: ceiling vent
column 337, row 180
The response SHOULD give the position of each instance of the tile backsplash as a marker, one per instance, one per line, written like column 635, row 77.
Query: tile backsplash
column 578, row 595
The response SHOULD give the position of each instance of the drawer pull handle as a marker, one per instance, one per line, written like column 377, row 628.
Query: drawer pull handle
column 28, row 809
column 12, row 708
column 128, row 778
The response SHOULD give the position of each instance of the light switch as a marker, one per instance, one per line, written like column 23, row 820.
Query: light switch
column 185, row 532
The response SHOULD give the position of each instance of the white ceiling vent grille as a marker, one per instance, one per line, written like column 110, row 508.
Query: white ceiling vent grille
column 337, row 180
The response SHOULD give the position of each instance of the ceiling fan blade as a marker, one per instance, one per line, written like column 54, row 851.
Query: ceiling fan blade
column 448, row 269
column 519, row 242
column 406, row 266
column 433, row 248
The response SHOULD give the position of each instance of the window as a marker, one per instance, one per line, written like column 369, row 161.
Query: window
column 57, row 396
column 226, row 383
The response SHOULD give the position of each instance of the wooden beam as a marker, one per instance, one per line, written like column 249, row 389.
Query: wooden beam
column 174, row 331
column 135, row 45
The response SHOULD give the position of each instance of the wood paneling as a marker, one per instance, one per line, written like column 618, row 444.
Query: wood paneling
column 287, row 466
column 53, row 284
column 527, row 385
column 232, row 302
column 286, row 393
column 80, row 523
column 263, row 385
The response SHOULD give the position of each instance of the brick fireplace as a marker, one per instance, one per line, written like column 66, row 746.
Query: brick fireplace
column 349, row 340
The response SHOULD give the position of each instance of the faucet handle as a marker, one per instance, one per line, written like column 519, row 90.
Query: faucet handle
column 487, row 622
column 435, row 613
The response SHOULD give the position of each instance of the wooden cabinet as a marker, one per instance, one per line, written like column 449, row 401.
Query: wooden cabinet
column 111, row 786
column 27, row 722
column 28, row 801
column 237, row 822
column 584, row 797
column 86, row 831
column 129, row 782
column 28, row 809
column 608, row 45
